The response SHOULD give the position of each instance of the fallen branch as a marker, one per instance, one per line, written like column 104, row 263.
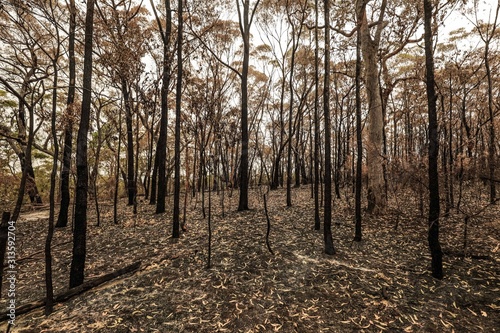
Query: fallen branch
column 33, row 255
column 464, row 255
column 76, row 290
column 268, row 226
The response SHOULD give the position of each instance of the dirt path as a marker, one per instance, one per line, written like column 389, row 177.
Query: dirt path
column 35, row 216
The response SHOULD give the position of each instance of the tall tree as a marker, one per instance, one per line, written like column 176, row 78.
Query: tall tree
column 245, row 16
column 359, row 142
column 374, row 150
column 317, row 225
column 161, row 148
column 62, row 219
column 434, row 209
column 82, row 172
column 327, row 225
column 123, row 43
column 22, row 76
column 53, row 54
column 178, row 100
column 487, row 36
column 296, row 33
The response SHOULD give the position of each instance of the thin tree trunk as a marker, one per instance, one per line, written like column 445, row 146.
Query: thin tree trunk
column 327, row 226
column 130, row 142
column 95, row 169
column 154, row 178
column 359, row 142
column 209, row 223
column 316, row 121
column 178, row 100
column 117, row 175
column 49, row 289
column 492, row 143
column 136, row 162
column 161, row 149
column 186, row 189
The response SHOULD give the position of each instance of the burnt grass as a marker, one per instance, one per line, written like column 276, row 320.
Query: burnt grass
column 382, row 284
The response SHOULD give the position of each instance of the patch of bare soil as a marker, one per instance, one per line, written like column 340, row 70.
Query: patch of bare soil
column 382, row 284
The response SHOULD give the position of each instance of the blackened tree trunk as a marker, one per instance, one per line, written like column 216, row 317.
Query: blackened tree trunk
column 130, row 142
column 117, row 174
column 295, row 45
column 154, row 179
column 492, row 143
column 316, row 120
column 178, row 100
column 49, row 303
column 82, row 175
column 245, row 22
column 62, row 220
column 327, row 226
column 359, row 142
column 433, row 237
column 136, row 174
column 24, row 154
column 161, row 149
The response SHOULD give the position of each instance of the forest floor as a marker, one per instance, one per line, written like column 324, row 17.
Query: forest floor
column 382, row 284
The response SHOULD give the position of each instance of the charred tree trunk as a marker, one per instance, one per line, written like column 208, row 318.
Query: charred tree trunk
column 359, row 142
column 80, row 225
column 316, row 121
column 433, row 237
column 245, row 22
column 161, row 149
column 130, row 142
column 49, row 289
column 154, row 179
column 178, row 100
column 117, row 175
column 62, row 220
column 327, row 226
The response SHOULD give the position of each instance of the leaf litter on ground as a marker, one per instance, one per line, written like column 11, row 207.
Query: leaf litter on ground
column 381, row 284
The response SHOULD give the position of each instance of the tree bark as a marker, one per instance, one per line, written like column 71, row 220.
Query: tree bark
column 317, row 219
column 62, row 220
column 327, row 225
column 245, row 22
column 117, row 174
column 359, row 142
column 492, row 143
column 178, row 101
column 434, row 209
column 80, row 225
column 130, row 142
column 161, row 148
column 377, row 199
